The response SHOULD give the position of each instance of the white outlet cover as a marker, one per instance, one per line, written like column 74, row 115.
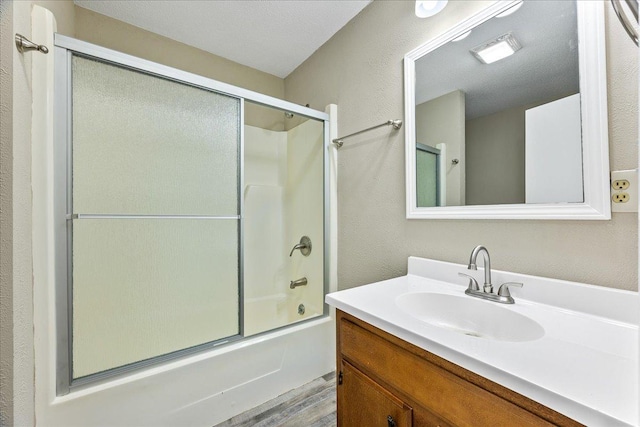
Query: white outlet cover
column 631, row 176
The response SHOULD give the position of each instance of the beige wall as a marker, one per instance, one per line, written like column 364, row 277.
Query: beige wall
column 16, row 361
column 441, row 121
column 113, row 34
column 495, row 158
column 6, row 214
column 360, row 69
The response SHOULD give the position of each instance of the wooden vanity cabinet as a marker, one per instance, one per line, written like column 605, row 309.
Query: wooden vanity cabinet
column 385, row 381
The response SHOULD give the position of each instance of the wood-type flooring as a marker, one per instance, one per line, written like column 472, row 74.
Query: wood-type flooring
column 312, row 405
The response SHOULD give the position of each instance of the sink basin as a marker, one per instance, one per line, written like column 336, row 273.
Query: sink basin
column 470, row 316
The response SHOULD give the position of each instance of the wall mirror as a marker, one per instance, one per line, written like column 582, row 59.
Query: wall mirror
column 506, row 115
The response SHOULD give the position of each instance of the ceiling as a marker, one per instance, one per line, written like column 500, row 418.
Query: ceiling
column 274, row 36
column 546, row 67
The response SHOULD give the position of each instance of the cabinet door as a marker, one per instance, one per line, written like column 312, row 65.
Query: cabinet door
column 363, row 402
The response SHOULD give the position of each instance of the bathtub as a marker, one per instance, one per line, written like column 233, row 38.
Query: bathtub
column 204, row 389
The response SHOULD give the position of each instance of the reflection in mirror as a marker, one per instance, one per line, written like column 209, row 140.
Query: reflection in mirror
column 504, row 100
column 518, row 109
column 428, row 177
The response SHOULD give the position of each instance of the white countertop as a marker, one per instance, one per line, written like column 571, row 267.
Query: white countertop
column 585, row 366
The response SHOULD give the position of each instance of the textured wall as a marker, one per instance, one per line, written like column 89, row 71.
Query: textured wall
column 20, row 210
column 113, row 34
column 16, row 284
column 6, row 218
column 361, row 70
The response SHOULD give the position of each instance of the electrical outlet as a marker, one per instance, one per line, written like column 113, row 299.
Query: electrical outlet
column 624, row 191
column 620, row 197
column 620, row 184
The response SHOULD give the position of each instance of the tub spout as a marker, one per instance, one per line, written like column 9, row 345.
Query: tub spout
column 300, row 282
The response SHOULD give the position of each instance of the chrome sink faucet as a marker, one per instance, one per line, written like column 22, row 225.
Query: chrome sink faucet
column 503, row 296
column 488, row 287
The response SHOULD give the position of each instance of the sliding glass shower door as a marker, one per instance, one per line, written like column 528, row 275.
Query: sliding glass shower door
column 153, row 216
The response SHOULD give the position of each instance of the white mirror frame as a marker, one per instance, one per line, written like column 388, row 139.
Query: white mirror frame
column 595, row 139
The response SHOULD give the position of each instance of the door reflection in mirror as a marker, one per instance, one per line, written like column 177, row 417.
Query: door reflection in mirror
column 428, row 176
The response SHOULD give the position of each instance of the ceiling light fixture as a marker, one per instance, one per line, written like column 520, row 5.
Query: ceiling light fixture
column 496, row 49
column 427, row 8
column 509, row 11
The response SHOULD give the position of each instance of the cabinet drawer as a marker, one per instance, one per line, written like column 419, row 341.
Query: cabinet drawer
column 425, row 384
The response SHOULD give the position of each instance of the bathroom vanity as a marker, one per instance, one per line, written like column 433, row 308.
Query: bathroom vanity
column 382, row 376
column 563, row 354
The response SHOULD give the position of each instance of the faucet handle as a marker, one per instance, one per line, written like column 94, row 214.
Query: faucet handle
column 504, row 288
column 304, row 246
column 473, row 283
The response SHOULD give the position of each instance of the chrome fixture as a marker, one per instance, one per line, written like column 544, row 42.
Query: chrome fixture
column 488, row 287
column 301, row 309
column 503, row 291
column 300, row 282
column 628, row 24
column 304, row 246
column 397, row 124
column 25, row 45
column 473, row 289
column 455, row 161
column 288, row 114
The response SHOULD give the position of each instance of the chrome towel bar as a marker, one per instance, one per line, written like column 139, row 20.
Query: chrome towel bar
column 397, row 124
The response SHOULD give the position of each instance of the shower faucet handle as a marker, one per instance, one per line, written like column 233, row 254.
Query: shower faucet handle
column 304, row 246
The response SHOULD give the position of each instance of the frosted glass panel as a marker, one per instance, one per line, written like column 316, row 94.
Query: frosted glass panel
column 147, row 287
column 146, row 145
column 427, row 178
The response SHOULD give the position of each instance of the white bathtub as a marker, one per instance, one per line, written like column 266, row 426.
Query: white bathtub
column 201, row 390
